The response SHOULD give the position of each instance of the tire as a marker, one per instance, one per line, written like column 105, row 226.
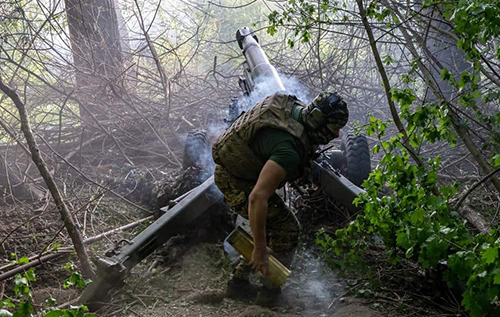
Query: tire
column 357, row 165
column 197, row 150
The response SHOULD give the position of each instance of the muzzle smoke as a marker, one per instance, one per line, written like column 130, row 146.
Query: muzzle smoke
column 267, row 87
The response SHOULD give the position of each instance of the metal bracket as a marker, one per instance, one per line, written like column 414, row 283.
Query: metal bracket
column 116, row 247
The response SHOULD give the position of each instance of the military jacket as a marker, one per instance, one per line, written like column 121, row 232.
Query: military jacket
column 232, row 148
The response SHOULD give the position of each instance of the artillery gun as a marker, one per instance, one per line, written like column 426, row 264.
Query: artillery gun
column 352, row 160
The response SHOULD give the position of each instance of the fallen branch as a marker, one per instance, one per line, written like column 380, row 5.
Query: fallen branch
column 37, row 259
column 344, row 294
column 105, row 234
column 33, row 258
column 476, row 185
column 82, row 145
column 36, row 262
column 62, row 227
column 90, row 180
column 468, row 212
column 66, row 305
column 187, row 122
column 475, row 219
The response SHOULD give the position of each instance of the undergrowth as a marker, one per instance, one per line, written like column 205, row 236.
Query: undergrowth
column 21, row 305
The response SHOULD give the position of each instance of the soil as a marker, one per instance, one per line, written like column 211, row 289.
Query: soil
column 193, row 269
column 194, row 286
column 193, row 272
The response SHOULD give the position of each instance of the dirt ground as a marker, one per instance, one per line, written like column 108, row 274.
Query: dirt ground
column 194, row 285
column 190, row 284
column 192, row 276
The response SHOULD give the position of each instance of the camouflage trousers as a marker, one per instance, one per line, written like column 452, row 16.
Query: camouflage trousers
column 282, row 227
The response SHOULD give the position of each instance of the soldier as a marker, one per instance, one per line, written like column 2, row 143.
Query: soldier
column 274, row 142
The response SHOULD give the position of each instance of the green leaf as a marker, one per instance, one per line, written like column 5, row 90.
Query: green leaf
column 24, row 309
column 23, row 260
column 388, row 60
column 445, row 74
column 77, row 280
column 7, row 303
column 409, row 252
column 496, row 160
column 69, row 267
column 496, row 278
column 490, row 255
column 271, row 30
column 445, row 230
column 417, row 216
column 51, row 301
column 30, row 275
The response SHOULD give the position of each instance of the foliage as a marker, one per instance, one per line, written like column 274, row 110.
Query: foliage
column 475, row 22
column 415, row 223
column 73, row 311
column 417, row 220
column 22, row 305
column 76, row 278
column 477, row 26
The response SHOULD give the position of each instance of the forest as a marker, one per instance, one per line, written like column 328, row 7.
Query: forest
column 104, row 104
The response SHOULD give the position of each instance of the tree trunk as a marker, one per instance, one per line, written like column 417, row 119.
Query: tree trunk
column 96, row 47
column 95, row 41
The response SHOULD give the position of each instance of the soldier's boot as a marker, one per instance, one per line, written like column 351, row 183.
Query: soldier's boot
column 270, row 297
column 241, row 290
column 239, row 287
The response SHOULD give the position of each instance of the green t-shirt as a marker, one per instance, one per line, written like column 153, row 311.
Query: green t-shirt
column 279, row 146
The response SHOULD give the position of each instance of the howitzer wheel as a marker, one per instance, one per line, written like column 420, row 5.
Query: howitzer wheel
column 356, row 166
column 197, row 150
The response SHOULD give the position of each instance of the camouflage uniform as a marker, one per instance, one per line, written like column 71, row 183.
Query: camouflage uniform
column 282, row 227
column 238, row 169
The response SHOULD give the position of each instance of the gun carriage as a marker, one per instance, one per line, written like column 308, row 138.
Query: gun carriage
column 338, row 173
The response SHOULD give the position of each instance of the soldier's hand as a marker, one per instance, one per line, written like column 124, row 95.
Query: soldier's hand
column 260, row 260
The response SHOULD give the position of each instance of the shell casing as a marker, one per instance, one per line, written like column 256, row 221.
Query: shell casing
column 243, row 243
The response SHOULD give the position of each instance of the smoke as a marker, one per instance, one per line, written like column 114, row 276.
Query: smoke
column 262, row 89
column 197, row 147
column 313, row 283
column 294, row 87
column 267, row 87
column 217, row 128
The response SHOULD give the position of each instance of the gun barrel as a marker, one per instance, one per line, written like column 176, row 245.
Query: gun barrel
column 257, row 62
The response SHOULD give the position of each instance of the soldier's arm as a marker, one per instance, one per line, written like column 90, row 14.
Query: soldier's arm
column 271, row 175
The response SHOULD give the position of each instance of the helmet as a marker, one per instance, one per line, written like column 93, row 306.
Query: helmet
column 326, row 114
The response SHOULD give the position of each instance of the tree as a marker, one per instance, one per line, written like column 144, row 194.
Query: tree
column 95, row 44
column 66, row 216
column 434, row 106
